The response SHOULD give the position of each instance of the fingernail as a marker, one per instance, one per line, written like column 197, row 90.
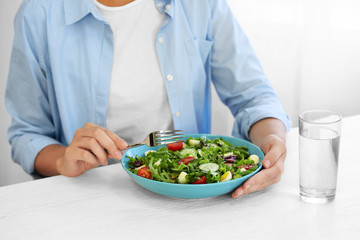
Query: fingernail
column 118, row 154
column 267, row 163
column 124, row 145
column 241, row 192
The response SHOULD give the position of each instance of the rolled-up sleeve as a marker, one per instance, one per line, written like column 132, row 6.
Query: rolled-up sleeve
column 31, row 127
column 238, row 76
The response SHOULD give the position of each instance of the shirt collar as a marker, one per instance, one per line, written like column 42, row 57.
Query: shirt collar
column 76, row 10
column 162, row 6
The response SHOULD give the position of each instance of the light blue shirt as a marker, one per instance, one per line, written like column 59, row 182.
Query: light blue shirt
column 62, row 59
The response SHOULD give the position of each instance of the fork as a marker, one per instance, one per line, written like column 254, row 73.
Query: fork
column 160, row 138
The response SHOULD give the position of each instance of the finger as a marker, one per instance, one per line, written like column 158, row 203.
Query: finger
column 253, row 187
column 275, row 152
column 261, row 185
column 86, row 156
column 93, row 145
column 104, row 140
column 90, row 125
column 261, row 180
column 265, row 176
column 120, row 143
column 86, row 166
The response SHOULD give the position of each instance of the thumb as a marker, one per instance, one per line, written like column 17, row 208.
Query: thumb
column 273, row 151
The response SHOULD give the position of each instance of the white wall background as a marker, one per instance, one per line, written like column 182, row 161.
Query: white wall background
column 10, row 172
column 309, row 49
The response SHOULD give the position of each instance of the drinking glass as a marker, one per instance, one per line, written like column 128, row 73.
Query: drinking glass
column 319, row 140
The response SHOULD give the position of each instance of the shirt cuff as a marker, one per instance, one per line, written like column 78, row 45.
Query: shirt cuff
column 247, row 118
column 27, row 147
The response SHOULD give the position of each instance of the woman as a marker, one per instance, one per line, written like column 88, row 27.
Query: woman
column 88, row 77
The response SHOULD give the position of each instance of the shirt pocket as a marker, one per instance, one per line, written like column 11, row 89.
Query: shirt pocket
column 200, row 48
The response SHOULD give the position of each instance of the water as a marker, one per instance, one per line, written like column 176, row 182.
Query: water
column 319, row 152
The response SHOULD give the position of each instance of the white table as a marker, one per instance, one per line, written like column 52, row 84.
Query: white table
column 105, row 203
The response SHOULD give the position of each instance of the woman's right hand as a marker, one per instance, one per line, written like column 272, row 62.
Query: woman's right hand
column 91, row 147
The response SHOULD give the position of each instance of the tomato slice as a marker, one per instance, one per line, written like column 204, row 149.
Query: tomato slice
column 186, row 160
column 143, row 172
column 202, row 180
column 176, row 146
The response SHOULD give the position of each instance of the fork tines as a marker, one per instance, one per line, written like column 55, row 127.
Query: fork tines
column 169, row 136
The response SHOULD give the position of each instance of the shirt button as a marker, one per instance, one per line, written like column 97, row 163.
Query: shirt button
column 168, row 7
column 161, row 40
column 177, row 114
column 169, row 77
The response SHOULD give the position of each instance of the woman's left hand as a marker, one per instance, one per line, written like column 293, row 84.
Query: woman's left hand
column 274, row 149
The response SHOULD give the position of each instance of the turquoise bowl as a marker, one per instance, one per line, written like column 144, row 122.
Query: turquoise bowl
column 192, row 191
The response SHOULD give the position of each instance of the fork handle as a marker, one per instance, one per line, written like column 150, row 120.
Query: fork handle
column 134, row 145
column 129, row 147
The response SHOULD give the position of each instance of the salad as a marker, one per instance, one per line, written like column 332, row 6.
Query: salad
column 195, row 161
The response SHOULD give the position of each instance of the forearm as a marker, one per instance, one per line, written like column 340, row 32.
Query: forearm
column 265, row 127
column 46, row 161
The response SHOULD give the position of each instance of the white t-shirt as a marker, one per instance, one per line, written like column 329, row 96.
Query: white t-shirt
column 138, row 102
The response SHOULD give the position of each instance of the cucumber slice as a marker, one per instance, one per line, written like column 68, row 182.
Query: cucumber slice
column 212, row 167
column 193, row 142
column 188, row 152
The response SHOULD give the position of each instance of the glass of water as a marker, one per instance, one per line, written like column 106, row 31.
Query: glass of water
column 319, row 140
